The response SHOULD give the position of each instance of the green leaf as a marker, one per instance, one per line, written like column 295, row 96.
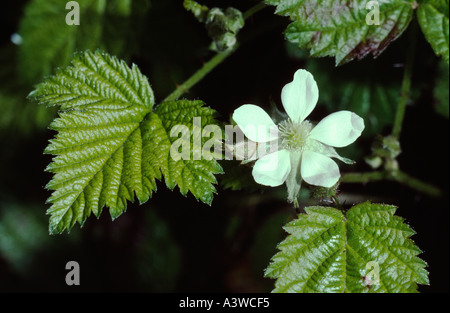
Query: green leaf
column 433, row 19
column 339, row 29
column 366, row 250
column 110, row 144
column 196, row 176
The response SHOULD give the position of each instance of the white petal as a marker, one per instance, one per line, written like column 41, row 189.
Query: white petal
column 300, row 96
column 318, row 169
column 272, row 169
column 338, row 129
column 255, row 123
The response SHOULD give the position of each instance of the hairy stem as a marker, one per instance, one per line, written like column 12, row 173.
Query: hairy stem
column 211, row 64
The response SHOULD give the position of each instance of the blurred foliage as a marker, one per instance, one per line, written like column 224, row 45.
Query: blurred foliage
column 267, row 236
column 25, row 247
column 44, row 42
column 17, row 113
column 158, row 257
column 23, row 232
column 48, row 42
column 441, row 90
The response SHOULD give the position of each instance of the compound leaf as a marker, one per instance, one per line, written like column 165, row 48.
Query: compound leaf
column 328, row 251
column 346, row 30
column 110, row 144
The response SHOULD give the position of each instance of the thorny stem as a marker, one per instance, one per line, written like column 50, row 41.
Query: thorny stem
column 211, row 64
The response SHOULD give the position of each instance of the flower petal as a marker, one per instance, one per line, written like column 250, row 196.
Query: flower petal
column 272, row 169
column 255, row 123
column 318, row 169
column 338, row 129
column 300, row 96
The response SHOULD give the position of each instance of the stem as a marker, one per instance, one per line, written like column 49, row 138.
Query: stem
column 363, row 177
column 398, row 176
column 211, row 64
column 250, row 12
column 406, row 83
column 417, row 184
column 197, row 76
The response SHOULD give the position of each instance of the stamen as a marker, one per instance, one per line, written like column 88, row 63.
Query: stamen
column 294, row 136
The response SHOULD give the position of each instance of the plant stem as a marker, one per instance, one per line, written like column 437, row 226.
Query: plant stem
column 211, row 64
column 398, row 176
column 250, row 12
column 417, row 184
column 406, row 83
column 197, row 76
column 363, row 177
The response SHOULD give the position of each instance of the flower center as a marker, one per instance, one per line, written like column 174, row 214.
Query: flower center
column 294, row 136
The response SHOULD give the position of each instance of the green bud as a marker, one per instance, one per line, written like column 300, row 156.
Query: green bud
column 223, row 26
column 386, row 147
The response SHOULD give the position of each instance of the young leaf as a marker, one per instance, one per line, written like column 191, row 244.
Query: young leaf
column 366, row 250
column 346, row 30
column 110, row 145
column 433, row 19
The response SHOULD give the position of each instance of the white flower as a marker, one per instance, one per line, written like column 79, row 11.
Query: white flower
column 303, row 151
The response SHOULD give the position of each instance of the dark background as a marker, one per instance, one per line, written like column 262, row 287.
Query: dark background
column 173, row 243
